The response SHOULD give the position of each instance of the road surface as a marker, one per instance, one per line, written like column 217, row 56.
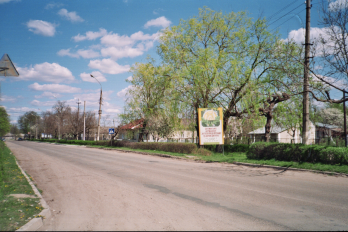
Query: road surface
column 95, row 189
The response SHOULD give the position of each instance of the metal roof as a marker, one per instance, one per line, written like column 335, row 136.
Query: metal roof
column 7, row 68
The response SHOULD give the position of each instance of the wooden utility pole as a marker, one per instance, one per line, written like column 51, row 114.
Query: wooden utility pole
column 84, row 120
column 305, row 126
column 78, row 116
column 100, row 111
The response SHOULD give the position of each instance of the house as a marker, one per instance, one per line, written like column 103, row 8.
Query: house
column 283, row 135
column 132, row 130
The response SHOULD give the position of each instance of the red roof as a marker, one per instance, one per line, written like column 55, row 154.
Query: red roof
column 133, row 125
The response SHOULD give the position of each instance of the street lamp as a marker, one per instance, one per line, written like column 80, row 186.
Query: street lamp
column 100, row 103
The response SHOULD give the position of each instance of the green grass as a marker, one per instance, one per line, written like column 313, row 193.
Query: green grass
column 14, row 212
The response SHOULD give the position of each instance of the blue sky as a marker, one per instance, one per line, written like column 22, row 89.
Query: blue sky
column 55, row 45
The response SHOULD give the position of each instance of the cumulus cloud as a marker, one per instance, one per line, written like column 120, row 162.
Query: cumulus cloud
column 45, row 72
column 113, row 45
column 117, row 53
column 40, row 103
column 159, row 22
column 108, row 66
column 123, row 92
column 41, row 27
column 5, row 98
column 338, row 5
column 49, row 95
column 130, row 78
column 87, row 54
column 55, row 88
column 90, row 35
column 87, row 77
column 71, row 16
column 92, row 99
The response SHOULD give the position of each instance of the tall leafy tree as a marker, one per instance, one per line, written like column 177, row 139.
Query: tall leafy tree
column 27, row 121
column 148, row 95
column 4, row 122
column 227, row 60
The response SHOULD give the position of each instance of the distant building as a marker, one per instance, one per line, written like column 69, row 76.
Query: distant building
column 283, row 135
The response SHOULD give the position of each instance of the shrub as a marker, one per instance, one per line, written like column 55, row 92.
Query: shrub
column 237, row 148
column 202, row 151
column 186, row 148
column 298, row 153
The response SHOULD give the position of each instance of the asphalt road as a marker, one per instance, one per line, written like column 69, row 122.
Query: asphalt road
column 94, row 189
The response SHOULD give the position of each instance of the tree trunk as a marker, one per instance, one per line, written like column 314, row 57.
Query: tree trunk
column 268, row 127
column 141, row 139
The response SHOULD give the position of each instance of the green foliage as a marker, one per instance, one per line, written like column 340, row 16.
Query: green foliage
column 27, row 120
column 4, row 122
column 203, row 152
column 298, row 153
column 186, row 148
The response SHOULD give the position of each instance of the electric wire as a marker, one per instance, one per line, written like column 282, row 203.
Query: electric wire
column 270, row 18
column 285, row 14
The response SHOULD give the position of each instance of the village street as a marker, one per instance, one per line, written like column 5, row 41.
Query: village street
column 95, row 189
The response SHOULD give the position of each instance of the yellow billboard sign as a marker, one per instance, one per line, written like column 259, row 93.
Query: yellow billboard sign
column 210, row 126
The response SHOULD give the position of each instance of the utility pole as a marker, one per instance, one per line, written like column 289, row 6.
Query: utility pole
column 78, row 117
column 345, row 120
column 100, row 111
column 84, row 120
column 305, row 129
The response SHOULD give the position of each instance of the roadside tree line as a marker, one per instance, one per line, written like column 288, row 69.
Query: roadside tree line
column 230, row 61
column 60, row 122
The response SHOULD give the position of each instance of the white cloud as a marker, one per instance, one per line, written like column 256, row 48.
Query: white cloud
column 87, row 77
column 45, row 72
column 66, row 52
column 53, row 5
column 5, row 98
column 49, row 95
column 56, row 88
column 130, row 78
column 159, row 22
column 116, row 40
column 39, row 103
column 112, row 110
column 87, row 54
column 123, row 92
column 20, row 110
column 117, row 53
column 108, row 66
column 90, row 35
column 92, row 99
column 338, row 5
column 71, row 16
column 41, row 27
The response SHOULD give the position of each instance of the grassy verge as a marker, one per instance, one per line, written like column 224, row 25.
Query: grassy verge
column 230, row 157
column 14, row 212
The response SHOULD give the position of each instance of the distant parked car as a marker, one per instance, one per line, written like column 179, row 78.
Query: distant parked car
column 3, row 139
column 19, row 139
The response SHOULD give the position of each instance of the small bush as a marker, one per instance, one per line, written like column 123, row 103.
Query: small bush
column 203, row 152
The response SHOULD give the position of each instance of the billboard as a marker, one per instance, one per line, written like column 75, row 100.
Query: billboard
column 210, row 126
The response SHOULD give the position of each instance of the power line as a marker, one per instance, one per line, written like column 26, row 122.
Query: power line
column 281, row 10
column 296, row 14
column 285, row 14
